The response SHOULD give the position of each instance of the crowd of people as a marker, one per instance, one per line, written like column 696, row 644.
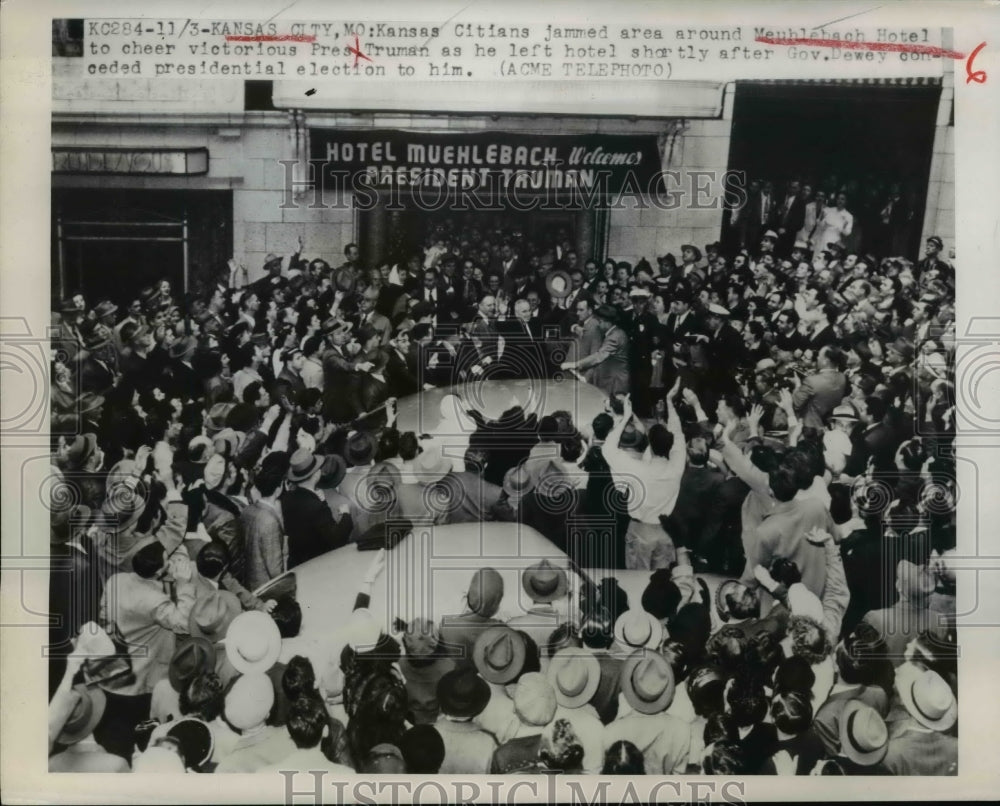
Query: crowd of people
column 776, row 451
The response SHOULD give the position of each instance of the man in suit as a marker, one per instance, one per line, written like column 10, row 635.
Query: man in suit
column 309, row 524
column 641, row 326
column 681, row 321
column 753, row 217
column 97, row 368
column 522, row 342
column 67, row 335
column 818, row 395
column 790, row 217
column 608, row 368
column 507, row 262
column 723, row 352
column 289, row 381
column 369, row 317
column 401, row 370
column 693, row 510
column 470, row 497
column 587, row 329
column 434, row 293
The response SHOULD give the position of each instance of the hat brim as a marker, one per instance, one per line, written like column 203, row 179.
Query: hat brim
column 943, row 723
column 847, row 748
column 648, row 707
column 173, row 675
column 575, row 655
column 241, row 627
column 100, row 702
column 655, row 632
column 562, row 585
column 513, row 669
column 567, row 284
column 215, row 636
column 317, row 462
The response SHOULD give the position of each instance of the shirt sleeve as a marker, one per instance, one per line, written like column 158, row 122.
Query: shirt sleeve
column 755, row 478
column 173, row 616
column 836, row 594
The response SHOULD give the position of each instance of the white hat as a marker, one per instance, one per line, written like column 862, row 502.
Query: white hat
column 718, row 310
column 929, row 699
column 637, row 291
column 253, row 642
column 637, row 628
column 250, row 700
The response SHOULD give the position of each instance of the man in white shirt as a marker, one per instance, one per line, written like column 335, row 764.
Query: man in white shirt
column 653, row 482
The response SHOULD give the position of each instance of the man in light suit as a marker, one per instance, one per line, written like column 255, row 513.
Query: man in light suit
column 587, row 329
column 818, row 395
column 369, row 317
column 608, row 368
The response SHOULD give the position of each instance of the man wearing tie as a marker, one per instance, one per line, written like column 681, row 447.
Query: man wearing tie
column 369, row 317
column 434, row 294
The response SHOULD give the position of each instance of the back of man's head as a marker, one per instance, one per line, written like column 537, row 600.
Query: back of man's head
column 660, row 440
column 602, row 425
column 783, row 481
column 306, row 721
column 697, row 450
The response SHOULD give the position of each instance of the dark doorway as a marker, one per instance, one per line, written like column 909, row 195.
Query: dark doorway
column 866, row 140
column 109, row 244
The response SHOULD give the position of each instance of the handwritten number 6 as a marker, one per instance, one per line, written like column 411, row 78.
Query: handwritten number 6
column 979, row 76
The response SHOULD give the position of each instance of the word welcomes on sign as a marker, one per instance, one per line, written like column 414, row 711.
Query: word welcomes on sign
column 388, row 159
column 155, row 161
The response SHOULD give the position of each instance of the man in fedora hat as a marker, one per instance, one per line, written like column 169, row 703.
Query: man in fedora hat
column 183, row 380
column 608, row 368
column 97, row 371
column 459, row 632
column 647, row 685
column 309, row 524
column 575, row 675
column 544, row 585
column 192, row 657
column 920, row 721
column 83, row 708
column 468, row 749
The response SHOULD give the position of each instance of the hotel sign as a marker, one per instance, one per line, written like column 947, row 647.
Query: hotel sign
column 383, row 159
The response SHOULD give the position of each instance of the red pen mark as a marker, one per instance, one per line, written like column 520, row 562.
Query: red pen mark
column 980, row 75
column 271, row 38
column 846, row 44
column 356, row 50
